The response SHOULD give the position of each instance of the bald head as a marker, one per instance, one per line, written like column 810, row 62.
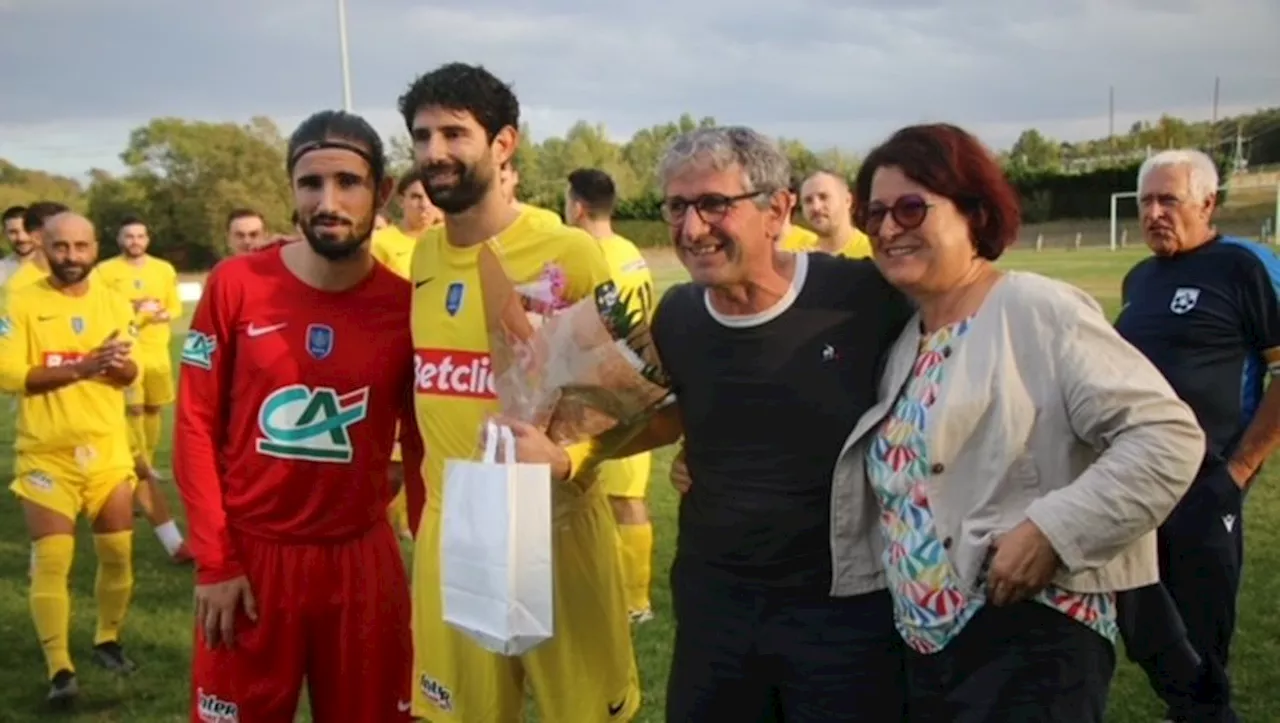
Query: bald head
column 69, row 223
column 826, row 203
column 71, row 246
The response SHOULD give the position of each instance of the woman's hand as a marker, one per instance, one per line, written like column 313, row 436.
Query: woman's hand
column 1023, row 564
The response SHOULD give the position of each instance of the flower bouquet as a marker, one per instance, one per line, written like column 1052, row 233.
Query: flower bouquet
column 581, row 371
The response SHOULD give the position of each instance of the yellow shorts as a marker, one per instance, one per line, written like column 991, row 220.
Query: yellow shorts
column 71, row 483
column 157, row 385
column 585, row 674
column 628, row 477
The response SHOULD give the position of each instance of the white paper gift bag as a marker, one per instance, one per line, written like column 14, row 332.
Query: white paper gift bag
column 495, row 548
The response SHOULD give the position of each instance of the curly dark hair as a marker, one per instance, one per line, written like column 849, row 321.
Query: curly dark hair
column 462, row 87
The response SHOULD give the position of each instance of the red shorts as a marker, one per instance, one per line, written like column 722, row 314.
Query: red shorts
column 336, row 615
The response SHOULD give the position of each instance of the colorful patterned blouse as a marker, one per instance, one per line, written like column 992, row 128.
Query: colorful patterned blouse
column 930, row 607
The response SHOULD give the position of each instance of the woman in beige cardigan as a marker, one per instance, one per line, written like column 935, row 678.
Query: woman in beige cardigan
column 1017, row 463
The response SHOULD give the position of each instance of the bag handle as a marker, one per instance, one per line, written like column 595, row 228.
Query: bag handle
column 492, row 432
column 490, row 443
column 508, row 445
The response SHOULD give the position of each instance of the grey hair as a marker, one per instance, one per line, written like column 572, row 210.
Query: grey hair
column 765, row 167
column 1204, row 173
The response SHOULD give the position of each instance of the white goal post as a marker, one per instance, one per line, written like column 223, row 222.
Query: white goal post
column 1269, row 227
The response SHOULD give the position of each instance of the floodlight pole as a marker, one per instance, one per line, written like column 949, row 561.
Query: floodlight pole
column 346, row 57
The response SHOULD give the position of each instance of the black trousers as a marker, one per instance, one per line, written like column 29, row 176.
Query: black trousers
column 1023, row 663
column 1201, row 562
column 752, row 655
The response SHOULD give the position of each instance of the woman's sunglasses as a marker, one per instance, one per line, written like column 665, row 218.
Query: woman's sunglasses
column 908, row 212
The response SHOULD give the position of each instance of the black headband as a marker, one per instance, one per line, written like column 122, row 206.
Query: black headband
column 338, row 143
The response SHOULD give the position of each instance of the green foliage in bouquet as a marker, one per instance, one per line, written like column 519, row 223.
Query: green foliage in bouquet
column 623, row 315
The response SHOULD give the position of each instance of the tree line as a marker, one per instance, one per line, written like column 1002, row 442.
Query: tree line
column 183, row 176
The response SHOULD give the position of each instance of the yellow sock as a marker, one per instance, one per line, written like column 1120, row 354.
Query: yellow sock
column 152, row 426
column 50, row 602
column 137, row 437
column 637, row 556
column 114, row 584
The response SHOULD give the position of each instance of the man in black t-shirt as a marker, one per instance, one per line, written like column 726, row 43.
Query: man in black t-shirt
column 1205, row 310
column 773, row 358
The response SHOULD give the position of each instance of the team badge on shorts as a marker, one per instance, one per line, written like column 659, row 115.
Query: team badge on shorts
column 77, row 324
column 453, row 298
column 1184, row 300
column 319, row 341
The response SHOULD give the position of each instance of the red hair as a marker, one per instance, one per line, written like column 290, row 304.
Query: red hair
column 950, row 162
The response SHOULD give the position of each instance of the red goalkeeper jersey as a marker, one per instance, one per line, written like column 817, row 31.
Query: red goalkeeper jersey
column 288, row 402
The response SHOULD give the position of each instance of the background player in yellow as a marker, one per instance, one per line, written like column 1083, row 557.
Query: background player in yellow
column 393, row 245
column 588, row 204
column 464, row 123
column 793, row 236
column 33, row 266
column 66, row 347
column 508, row 182
column 151, row 286
column 827, row 206
column 20, row 245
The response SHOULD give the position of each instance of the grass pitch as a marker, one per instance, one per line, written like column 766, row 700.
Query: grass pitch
column 158, row 634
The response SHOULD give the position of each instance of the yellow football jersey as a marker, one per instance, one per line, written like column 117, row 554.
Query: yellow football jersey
column 26, row 274
column 151, row 287
column 630, row 273
column 454, row 388
column 540, row 217
column 45, row 328
column 799, row 240
column 394, row 248
column 628, row 477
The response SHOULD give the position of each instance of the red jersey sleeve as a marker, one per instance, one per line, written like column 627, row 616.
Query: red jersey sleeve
column 412, row 455
column 200, row 426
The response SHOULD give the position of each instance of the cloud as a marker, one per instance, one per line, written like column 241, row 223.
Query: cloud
column 831, row 72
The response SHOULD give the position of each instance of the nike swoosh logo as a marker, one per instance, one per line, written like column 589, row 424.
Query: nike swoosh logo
column 253, row 331
column 420, row 284
column 403, row 707
column 616, row 708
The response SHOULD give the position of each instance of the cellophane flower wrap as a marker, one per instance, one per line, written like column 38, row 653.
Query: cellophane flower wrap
column 581, row 371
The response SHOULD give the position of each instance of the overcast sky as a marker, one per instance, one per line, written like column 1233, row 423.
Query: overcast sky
column 77, row 75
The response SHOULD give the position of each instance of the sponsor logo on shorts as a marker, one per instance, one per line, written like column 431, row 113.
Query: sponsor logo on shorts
column 198, row 349
column 213, row 709
column 40, row 480
column 446, row 372
column 435, row 693
column 61, row 358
